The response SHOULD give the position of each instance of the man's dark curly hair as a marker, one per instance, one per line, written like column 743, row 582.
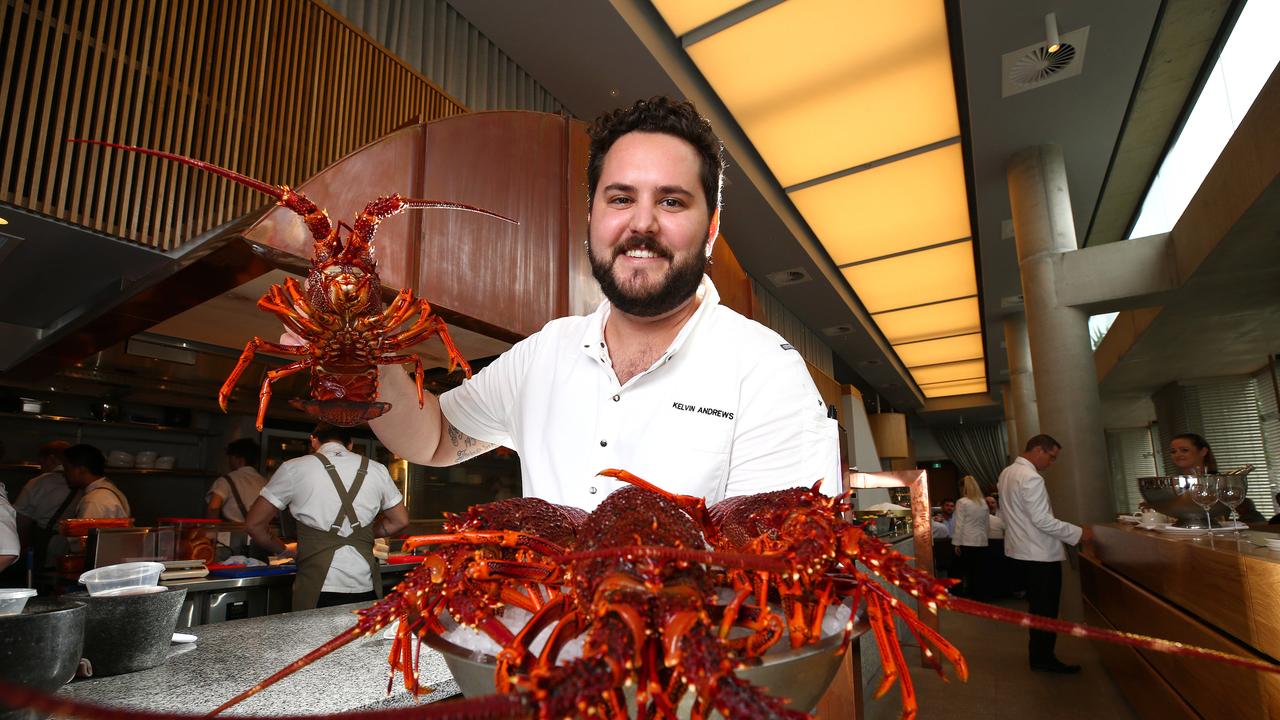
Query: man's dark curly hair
column 659, row 115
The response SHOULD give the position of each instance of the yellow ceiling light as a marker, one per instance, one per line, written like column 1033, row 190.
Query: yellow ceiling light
column 941, row 273
column 950, row 372
column 683, row 16
column 931, row 321
column 824, row 85
column 935, row 352
column 963, row 387
column 899, row 206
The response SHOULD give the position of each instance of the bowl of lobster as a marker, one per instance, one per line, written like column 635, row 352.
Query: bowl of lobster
column 799, row 676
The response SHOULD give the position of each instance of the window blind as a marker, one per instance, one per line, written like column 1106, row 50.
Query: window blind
column 1231, row 419
column 1130, row 456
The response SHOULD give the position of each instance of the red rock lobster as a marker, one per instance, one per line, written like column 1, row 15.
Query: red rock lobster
column 636, row 581
column 347, row 329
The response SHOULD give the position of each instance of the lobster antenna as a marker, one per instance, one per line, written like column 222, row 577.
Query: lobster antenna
column 258, row 185
column 360, row 240
column 317, row 220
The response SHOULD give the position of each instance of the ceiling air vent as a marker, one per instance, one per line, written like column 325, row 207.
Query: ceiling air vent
column 783, row 278
column 835, row 330
column 1034, row 66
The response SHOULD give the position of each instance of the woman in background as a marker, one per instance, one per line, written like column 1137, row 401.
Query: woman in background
column 1192, row 456
column 970, row 537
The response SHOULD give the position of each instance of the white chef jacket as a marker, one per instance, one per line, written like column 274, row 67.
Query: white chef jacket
column 302, row 486
column 100, row 501
column 41, row 497
column 248, row 483
column 995, row 527
column 729, row 409
column 969, row 528
column 1031, row 532
column 8, row 526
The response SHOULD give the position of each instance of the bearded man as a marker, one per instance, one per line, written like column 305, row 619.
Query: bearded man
column 661, row 380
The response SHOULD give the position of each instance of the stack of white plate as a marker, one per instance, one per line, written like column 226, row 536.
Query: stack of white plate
column 1273, row 543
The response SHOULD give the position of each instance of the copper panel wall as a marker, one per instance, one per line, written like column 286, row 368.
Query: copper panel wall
column 511, row 163
column 584, row 292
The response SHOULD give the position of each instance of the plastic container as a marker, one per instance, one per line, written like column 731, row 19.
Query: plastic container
column 12, row 600
column 117, row 579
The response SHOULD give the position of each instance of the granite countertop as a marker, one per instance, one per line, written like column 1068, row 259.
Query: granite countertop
column 230, row 657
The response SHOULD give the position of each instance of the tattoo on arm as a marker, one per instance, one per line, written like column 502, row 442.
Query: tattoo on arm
column 466, row 446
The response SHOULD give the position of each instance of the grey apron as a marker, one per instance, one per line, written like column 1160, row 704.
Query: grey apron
column 316, row 547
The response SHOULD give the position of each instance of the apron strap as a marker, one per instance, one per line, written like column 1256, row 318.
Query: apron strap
column 235, row 494
column 347, row 511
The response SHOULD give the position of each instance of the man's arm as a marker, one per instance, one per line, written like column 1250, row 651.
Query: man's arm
column 258, row 525
column 214, row 508
column 1037, row 503
column 394, row 519
column 420, row 435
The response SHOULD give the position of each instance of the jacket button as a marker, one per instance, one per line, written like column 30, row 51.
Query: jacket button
column 616, row 398
column 592, row 490
column 604, row 443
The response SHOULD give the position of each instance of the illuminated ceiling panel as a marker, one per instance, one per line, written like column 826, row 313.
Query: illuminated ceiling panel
column 888, row 209
column 966, row 387
column 851, row 104
column 949, row 372
column 823, row 85
column 931, row 321
column 934, row 352
column 683, row 15
column 943, row 273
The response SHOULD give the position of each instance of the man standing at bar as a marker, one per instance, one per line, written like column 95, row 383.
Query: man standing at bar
column 1033, row 538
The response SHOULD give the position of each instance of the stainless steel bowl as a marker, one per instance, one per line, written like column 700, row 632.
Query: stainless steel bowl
column 1170, row 494
column 800, row 676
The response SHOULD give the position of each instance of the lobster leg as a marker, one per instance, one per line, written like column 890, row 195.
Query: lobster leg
column 499, row 538
column 417, row 370
column 427, row 326
column 273, row 375
column 246, row 357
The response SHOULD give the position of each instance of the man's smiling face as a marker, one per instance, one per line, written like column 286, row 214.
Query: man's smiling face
column 649, row 224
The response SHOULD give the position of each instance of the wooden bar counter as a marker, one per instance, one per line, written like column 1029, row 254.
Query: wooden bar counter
column 1216, row 591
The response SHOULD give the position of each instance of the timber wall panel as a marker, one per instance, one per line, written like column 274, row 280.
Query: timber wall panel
column 273, row 89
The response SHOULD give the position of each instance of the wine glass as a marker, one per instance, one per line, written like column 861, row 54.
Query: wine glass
column 1231, row 492
column 1204, row 491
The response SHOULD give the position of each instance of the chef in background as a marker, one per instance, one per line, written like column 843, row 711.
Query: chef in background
column 43, row 501
column 84, row 467
column 342, row 501
column 231, row 495
column 9, row 546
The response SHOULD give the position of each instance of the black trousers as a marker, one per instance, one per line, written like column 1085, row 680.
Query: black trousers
column 1044, row 592
column 971, row 564
column 330, row 599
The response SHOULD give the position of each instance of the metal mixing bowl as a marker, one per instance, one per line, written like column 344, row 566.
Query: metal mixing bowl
column 1171, row 495
column 800, row 676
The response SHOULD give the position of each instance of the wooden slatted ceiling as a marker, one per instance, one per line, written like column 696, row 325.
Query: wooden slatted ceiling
column 273, row 89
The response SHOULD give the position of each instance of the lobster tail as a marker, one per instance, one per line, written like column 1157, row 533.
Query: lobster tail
column 316, row 219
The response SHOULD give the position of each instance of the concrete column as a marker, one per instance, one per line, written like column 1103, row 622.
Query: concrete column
column 1066, row 383
column 1010, row 422
column 1022, row 388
